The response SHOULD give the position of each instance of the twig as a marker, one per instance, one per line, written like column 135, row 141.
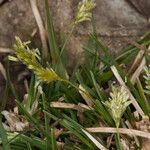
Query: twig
column 40, row 26
column 133, row 100
column 130, row 132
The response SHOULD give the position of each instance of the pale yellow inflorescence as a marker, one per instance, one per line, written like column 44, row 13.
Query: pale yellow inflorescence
column 31, row 59
column 118, row 103
column 84, row 11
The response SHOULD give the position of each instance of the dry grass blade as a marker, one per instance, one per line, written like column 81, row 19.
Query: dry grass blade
column 138, row 71
column 85, row 96
column 3, row 71
column 40, row 25
column 22, row 75
column 34, row 107
column 133, row 100
column 69, row 106
column 130, row 132
column 99, row 145
column 6, row 50
column 136, row 62
column 139, row 56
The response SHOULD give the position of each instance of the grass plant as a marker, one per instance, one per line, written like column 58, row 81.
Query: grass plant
column 75, row 112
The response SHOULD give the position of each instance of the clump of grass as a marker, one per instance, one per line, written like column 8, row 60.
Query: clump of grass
column 64, row 111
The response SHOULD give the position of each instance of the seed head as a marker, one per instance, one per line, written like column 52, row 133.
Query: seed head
column 31, row 58
column 84, row 11
column 118, row 103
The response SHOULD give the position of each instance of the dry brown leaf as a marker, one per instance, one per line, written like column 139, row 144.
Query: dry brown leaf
column 14, row 122
column 144, row 124
column 58, row 132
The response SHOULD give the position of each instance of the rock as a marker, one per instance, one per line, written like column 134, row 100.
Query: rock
column 141, row 6
column 115, row 20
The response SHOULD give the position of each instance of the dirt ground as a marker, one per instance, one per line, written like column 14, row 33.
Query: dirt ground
column 116, row 21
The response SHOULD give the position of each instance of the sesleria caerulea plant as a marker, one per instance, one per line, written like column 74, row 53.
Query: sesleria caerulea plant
column 75, row 108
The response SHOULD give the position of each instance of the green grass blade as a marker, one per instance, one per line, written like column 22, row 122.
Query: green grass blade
column 31, row 93
column 48, row 139
column 74, row 127
column 29, row 146
column 55, row 52
column 34, row 142
column 96, row 87
column 145, row 105
column 51, row 35
column 103, row 112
